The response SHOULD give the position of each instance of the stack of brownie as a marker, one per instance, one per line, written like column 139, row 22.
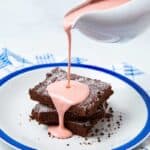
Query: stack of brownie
column 79, row 118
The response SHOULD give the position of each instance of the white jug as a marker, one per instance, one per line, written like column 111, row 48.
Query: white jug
column 116, row 24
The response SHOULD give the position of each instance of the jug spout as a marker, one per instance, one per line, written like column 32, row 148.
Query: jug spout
column 117, row 24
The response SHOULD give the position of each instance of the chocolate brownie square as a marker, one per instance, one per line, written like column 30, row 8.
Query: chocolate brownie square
column 99, row 93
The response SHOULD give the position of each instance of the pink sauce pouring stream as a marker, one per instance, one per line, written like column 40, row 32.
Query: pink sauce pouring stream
column 67, row 93
column 87, row 6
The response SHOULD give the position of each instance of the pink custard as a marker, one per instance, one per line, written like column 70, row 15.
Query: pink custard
column 63, row 98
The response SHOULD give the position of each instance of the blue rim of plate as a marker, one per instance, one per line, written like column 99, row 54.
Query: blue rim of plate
column 145, row 132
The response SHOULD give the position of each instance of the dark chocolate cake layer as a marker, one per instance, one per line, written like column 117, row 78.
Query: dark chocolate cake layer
column 99, row 92
column 52, row 115
column 46, row 115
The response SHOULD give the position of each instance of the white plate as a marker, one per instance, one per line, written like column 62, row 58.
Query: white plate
column 15, row 106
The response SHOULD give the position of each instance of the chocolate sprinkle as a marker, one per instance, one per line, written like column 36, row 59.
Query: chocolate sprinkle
column 86, row 138
column 98, row 139
column 109, row 125
column 96, row 130
column 102, row 133
column 102, row 120
column 109, row 135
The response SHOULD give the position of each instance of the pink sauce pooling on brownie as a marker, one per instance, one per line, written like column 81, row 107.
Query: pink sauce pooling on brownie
column 68, row 93
column 63, row 98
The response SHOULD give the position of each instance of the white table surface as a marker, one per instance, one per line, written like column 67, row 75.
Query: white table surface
column 30, row 27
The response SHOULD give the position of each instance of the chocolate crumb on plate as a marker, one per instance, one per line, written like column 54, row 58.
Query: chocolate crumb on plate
column 102, row 133
column 98, row 139
column 96, row 130
column 86, row 138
